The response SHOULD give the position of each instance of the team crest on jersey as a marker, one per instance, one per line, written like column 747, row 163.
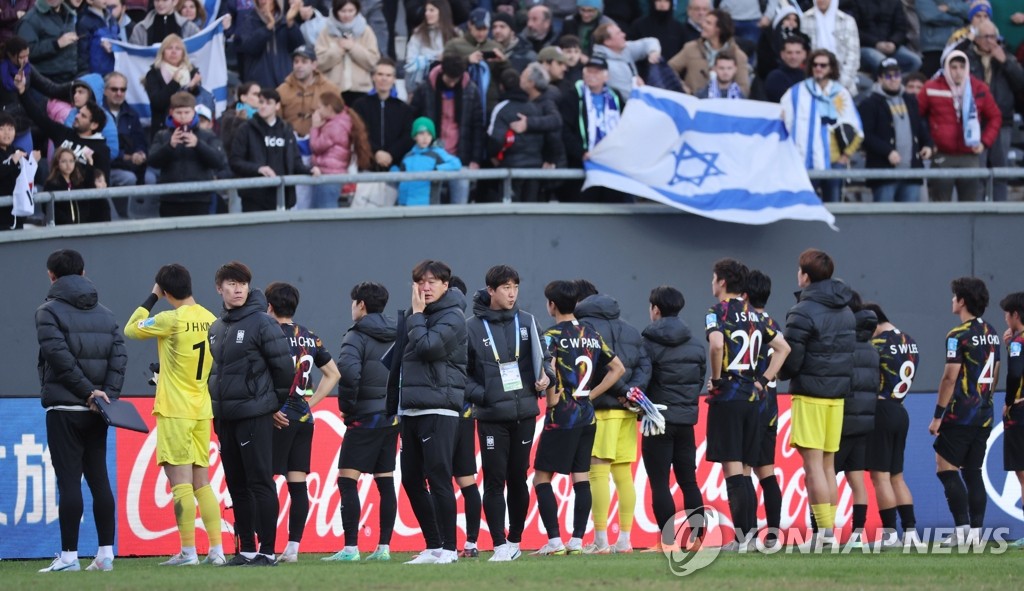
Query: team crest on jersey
column 710, row 321
column 951, row 345
column 240, row 336
column 1014, row 349
column 147, row 322
column 523, row 333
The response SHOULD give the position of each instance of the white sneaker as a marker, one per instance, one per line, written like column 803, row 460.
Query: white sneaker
column 101, row 564
column 427, row 557
column 447, row 557
column 215, row 558
column 288, row 558
column 505, row 553
column 549, row 549
column 181, row 559
column 58, row 566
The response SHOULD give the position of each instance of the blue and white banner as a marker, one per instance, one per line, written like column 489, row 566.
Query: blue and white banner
column 205, row 51
column 729, row 160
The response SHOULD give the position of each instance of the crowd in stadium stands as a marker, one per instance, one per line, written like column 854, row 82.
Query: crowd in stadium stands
column 319, row 87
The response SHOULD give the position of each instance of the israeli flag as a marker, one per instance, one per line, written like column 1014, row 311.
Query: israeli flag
column 205, row 51
column 729, row 160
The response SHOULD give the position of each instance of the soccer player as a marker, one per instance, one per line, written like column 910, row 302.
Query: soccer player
column 252, row 374
column 735, row 333
column 182, row 407
column 963, row 415
column 758, row 290
column 859, row 416
column 615, row 442
column 579, row 353
column 677, row 377
column 502, row 388
column 898, row 359
column 81, row 358
column 293, row 438
column 1013, row 408
column 371, row 435
column 821, row 330
column 432, row 389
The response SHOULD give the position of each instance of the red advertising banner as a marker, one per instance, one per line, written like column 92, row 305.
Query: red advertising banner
column 146, row 523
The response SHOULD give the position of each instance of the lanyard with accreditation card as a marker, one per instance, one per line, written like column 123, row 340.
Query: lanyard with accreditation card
column 510, row 378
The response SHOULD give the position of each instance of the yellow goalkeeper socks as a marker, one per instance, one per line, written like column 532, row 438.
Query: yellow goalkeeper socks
column 209, row 510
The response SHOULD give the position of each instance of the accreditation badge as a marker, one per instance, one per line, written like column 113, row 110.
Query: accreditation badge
column 510, row 378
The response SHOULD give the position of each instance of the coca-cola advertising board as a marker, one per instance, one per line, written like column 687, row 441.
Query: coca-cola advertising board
column 146, row 526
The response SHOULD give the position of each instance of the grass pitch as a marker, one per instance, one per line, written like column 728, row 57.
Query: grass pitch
column 632, row 571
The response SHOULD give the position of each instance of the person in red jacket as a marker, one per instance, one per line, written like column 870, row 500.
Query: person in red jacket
column 941, row 102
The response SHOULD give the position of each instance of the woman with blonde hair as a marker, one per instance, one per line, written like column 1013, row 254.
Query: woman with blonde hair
column 346, row 50
column 171, row 72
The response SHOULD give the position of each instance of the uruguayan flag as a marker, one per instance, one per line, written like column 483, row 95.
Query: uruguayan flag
column 729, row 160
column 205, row 51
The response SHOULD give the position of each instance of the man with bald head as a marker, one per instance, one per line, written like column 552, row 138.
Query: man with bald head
column 696, row 10
column 539, row 30
column 991, row 62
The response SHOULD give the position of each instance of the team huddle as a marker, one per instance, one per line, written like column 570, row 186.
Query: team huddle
column 447, row 383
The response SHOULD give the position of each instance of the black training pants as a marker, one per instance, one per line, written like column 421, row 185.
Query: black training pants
column 246, row 452
column 428, row 442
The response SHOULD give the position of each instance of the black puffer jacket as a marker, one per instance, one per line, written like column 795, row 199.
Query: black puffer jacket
column 601, row 312
column 859, row 409
column 253, row 369
column 81, row 348
column 434, row 361
column 363, row 388
column 677, row 369
column 182, row 164
column 820, row 329
column 491, row 403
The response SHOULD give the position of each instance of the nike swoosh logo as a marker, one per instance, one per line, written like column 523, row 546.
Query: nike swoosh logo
column 426, row 439
column 246, row 443
column 528, row 442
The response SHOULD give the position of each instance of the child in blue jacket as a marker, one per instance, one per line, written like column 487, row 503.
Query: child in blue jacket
column 423, row 156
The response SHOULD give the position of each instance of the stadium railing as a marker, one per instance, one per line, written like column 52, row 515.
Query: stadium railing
column 230, row 187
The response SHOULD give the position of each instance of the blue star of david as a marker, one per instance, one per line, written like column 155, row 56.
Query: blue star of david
column 689, row 160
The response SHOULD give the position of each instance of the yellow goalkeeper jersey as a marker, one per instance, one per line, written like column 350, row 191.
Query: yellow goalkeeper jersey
column 185, row 360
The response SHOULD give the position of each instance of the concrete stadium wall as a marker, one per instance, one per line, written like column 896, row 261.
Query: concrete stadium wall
column 903, row 258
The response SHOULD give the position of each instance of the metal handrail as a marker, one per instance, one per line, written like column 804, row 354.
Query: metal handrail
column 232, row 186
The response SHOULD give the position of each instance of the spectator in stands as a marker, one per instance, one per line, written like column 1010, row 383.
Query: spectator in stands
column 516, row 49
column 939, row 18
column 785, row 24
column 978, row 11
column 10, row 168
column 347, row 50
column 660, row 24
column 792, row 69
column 546, row 97
column 723, row 79
column 245, row 108
column 693, row 63
column 426, row 43
column 454, row 101
column 266, row 41
column 895, row 135
column 307, row 18
column 829, row 28
column 171, row 72
column 265, row 146
column 66, row 175
column 749, row 17
column 388, row 119
column 696, row 10
column 301, row 90
column 96, row 23
column 574, row 60
column 160, row 23
column 1005, row 78
column 128, row 168
column 193, row 11
column 913, row 83
column 590, row 111
column 540, row 31
column 486, row 61
column 184, row 152
column 425, row 155
column 88, row 88
column 14, row 60
column 10, row 13
column 49, row 29
column 883, row 27
column 338, row 135
column 621, row 56
column 554, row 62
column 589, row 15
column 958, row 142
column 822, row 121
column 125, row 25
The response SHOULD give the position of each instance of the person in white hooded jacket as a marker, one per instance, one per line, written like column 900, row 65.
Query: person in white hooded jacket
column 834, row 30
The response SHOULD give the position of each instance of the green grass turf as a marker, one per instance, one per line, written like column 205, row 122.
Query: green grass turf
column 633, row 572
